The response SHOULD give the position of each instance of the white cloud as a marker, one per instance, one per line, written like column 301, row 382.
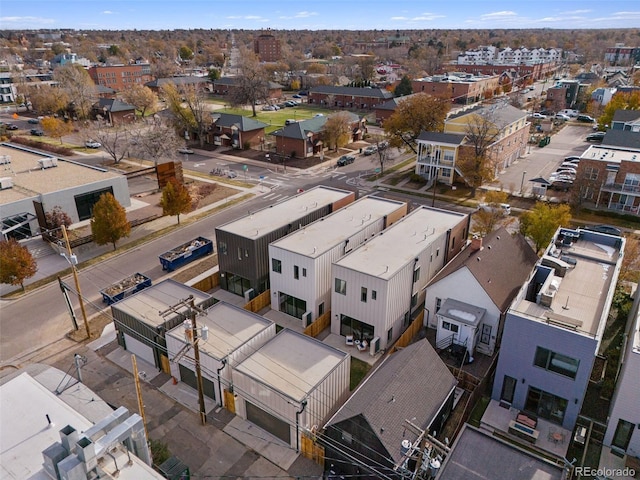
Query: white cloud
column 27, row 20
column 399, row 18
column 108, row 12
column 576, row 12
column 305, row 14
column 502, row 14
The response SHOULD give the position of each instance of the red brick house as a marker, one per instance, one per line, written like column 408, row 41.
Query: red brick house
column 330, row 96
column 226, row 85
column 306, row 138
column 236, row 131
column 115, row 111
column 386, row 109
column 462, row 88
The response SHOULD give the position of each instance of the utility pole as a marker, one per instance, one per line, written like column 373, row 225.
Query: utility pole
column 136, row 379
column 196, row 351
column 70, row 258
column 193, row 310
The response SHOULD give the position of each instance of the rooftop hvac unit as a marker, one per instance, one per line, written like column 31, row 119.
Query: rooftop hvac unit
column 306, row 319
column 48, row 162
column 6, row 182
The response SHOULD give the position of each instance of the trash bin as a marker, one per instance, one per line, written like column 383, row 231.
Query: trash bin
column 361, row 150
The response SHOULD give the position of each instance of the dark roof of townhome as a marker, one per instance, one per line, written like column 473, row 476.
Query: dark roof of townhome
column 354, row 91
column 114, row 105
column 233, row 81
column 501, row 266
column 244, row 124
column 625, row 116
column 622, row 138
column 101, row 89
column 299, row 130
column 474, row 455
column 393, row 103
column 159, row 82
column 442, row 138
column 412, row 383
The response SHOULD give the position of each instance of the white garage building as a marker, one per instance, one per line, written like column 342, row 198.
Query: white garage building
column 300, row 263
column 233, row 334
column 292, row 383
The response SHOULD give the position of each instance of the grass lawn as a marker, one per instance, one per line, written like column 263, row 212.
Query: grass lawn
column 358, row 371
column 275, row 120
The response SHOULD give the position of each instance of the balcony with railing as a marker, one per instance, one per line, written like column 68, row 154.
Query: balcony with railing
column 435, row 160
column 624, row 188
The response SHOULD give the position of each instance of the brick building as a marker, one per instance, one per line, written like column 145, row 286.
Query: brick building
column 330, row 96
column 267, row 47
column 120, row 77
column 462, row 88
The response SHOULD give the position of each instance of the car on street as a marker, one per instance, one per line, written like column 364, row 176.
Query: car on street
column 563, row 117
column 186, row 151
column 33, row 121
column 502, row 208
column 538, row 116
column 92, row 144
column 268, row 108
column 11, row 126
column 297, row 96
column 608, row 229
column 36, row 132
column 370, row 150
column 585, row 119
column 595, row 137
column 346, row 160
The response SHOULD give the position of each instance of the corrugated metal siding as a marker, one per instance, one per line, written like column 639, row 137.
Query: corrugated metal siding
column 325, row 399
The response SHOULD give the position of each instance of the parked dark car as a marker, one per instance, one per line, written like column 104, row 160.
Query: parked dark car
column 370, row 150
column 36, row 132
column 595, row 137
column 33, row 121
column 585, row 119
column 608, row 229
column 346, row 160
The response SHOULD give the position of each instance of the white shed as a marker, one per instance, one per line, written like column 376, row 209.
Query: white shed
column 378, row 286
column 233, row 334
column 292, row 383
column 458, row 325
column 300, row 263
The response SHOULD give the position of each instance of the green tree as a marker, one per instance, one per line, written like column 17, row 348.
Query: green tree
column 214, row 74
column 541, row 222
column 620, row 101
column 176, row 199
column 185, row 53
column 404, row 87
column 490, row 214
column 420, row 112
column 16, row 263
column 109, row 223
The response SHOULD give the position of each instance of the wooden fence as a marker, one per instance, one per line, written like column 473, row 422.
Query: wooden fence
column 322, row 322
column 258, row 303
column 409, row 334
column 310, row 449
column 208, row 283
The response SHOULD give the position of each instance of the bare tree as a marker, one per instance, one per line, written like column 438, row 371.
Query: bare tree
column 476, row 156
column 381, row 156
column 189, row 109
column 115, row 140
column 77, row 83
column 252, row 84
column 156, row 141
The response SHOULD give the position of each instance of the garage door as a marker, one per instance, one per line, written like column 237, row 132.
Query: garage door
column 140, row 350
column 189, row 377
column 268, row 422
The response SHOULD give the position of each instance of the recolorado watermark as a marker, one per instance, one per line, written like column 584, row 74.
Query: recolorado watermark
column 604, row 472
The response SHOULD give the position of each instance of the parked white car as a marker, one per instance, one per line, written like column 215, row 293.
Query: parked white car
column 92, row 144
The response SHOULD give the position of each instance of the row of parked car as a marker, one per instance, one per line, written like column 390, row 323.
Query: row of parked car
column 565, row 174
column 279, row 106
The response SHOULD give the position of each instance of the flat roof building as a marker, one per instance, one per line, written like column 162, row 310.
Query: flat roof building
column 300, row 275
column 243, row 244
column 32, row 183
column 378, row 286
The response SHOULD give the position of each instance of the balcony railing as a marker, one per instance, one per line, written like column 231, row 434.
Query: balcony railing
column 430, row 160
column 621, row 188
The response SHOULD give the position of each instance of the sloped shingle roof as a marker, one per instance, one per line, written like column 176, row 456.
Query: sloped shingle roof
column 115, row 105
column 622, row 138
column 299, row 130
column 177, row 81
column 355, row 91
column 625, row 116
column 412, row 382
column 233, row 81
column 244, row 124
column 505, row 263
column 440, row 137
column 502, row 114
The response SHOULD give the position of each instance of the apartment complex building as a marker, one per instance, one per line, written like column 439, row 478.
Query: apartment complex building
column 120, row 77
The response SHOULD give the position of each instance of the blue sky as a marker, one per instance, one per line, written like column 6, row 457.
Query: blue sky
column 318, row 14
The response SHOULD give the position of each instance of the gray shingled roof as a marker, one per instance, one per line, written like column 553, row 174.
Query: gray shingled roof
column 114, row 105
column 622, row 138
column 244, row 124
column 411, row 383
column 299, row 130
column 355, row 91
column 393, row 103
column 440, row 137
column 502, row 113
column 506, row 261
column 625, row 116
